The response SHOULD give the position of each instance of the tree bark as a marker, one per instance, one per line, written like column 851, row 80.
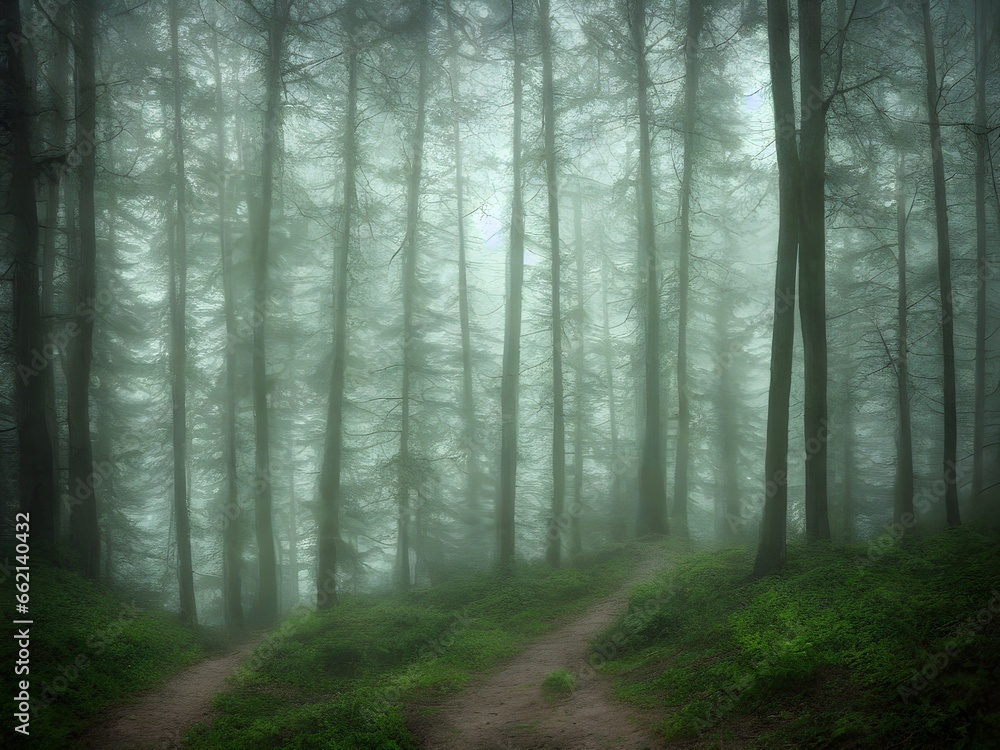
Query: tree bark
column 695, row 22
column 849, row 470
column 511, row 372
column 904, row 452
column 729, row 454
column 36, row 478
column 404, row 469
column 104, row 454
column 619, row 524
column 267, row 576
column 639, row 348
column 652, row 482
column 576, row 510
column 293, row 536
column 178, row 348
column 84, row 534
column 944, row 276
column 469, row 439
column 232, row 556
column 57, row 140
column 812, row 265
column 771, row 548
column 982, row 46
column 557, row 520
column 330, row 477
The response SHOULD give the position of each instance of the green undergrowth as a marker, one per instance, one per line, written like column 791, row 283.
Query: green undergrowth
column 844, row 648
column 339, row 679
column 88, row 649
column 558, row 683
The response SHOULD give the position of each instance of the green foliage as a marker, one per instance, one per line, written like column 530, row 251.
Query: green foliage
column 558, row 683
column 347, row 643
column 357, row 719
column 830, row 651
column 338, row 679
column 89, row 649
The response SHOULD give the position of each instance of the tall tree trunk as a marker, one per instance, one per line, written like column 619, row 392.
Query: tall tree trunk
column 944, row 275
column 576, row 534
column 619, row 525
column 71, row 209
column 982, row 143
column 232, row 557
column 771, row 549
column 110, row 519
column 84, row 534
column 104, row 456
column 293, row 536
column 639, row 348
column 849, row 470
column 557, row 518
column 696, row 20
column 652, row 481
column 411, row 247
column 812, row 265
column 729, row 453
column 178, row 347
column 36, row 478
column 57, row 140
column 904, row 451
column 511, row 372
column 329, row 483
column 469, row 439
column 267, row 576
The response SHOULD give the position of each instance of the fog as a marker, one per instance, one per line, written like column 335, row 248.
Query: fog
column 309, row 300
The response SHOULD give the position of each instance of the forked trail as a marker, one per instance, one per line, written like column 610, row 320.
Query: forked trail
column 506, row 710
column 160, row 719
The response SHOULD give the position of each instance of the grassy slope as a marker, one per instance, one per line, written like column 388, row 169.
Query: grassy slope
column 826, row 654
column 88, row 649
column 338, row 679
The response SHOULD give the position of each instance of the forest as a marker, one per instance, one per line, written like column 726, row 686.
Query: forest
column 500, row 374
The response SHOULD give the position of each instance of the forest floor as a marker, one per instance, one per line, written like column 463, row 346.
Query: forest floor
column 159, row 719
column 508, row 710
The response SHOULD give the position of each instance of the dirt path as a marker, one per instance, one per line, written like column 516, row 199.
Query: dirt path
column 507, row 710
column 160, row 719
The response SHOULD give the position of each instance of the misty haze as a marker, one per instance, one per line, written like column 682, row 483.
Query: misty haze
column 500, row 374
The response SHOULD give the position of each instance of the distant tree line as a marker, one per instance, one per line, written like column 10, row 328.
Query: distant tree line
column 307, row 296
